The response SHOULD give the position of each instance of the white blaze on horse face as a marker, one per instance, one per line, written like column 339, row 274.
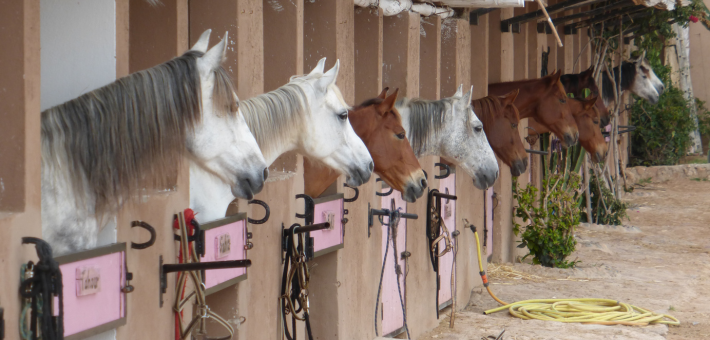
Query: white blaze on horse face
column 646, row 84
column 465, row 144
column 329, row 137
column 222, row 144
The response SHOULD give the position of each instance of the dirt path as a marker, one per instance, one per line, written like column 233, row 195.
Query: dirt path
column 659, row 261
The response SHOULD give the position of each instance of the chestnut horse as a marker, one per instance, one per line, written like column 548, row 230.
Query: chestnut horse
column 545, row 100
column 378, row 123
column 576, row 83
column 500, row 120
column 586, row 116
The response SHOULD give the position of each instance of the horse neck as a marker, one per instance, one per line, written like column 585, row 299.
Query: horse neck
column 528, row 97
column 608, row 88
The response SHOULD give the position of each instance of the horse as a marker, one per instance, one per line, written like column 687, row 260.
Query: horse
column 378, row 123
column 545, row 100
column 500, row 120
column 586, row 116
column 638, row 77
column 577, row 83
column 125, row 140
column 448, row 128
column 307, row 115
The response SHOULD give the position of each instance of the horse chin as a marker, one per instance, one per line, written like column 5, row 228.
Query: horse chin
column 243, row 193
column 412, row 192
column 518, row 167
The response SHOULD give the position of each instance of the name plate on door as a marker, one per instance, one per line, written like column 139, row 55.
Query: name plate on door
column 328, row 209
column 88, row 280
column 223, row 245
column 93, row 282
column 225, row 240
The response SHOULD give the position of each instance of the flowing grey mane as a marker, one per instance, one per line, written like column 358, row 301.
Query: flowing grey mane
column 426, row 119
column 271, row 115
column 129, row 135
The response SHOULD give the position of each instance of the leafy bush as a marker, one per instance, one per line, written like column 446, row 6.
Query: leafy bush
column 609, row 210
column 662, row 133
column 551, row 217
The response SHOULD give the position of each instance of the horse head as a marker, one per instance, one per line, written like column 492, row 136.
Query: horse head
column 327, row 135
column 500, row 119
column 645, row 82
column 554, row 112
column 587, row 118
column 464, row 143
column 379, row 125
column 221, row 144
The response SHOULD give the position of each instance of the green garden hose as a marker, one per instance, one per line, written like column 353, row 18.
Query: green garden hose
column 585, row 310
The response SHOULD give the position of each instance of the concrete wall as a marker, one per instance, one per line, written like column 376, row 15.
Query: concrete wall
column 19, row 147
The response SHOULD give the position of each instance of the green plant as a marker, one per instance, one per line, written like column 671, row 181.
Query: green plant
column 662, row 135
column 645, row 181
column 550, row 216
column 606, row 209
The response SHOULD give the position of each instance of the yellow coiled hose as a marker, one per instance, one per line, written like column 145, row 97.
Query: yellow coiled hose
column 590, row 311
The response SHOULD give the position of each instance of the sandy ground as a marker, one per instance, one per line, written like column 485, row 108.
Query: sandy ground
column 659, row 260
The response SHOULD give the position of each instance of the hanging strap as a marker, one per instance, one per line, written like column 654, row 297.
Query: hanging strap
column 188, row 254
column 294, row 284
column 41, row 287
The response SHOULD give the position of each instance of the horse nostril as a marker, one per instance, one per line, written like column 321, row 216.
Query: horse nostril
column 371, row 166
column 266, row 173
column 424, row 183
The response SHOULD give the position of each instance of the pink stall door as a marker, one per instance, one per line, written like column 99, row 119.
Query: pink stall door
column 448, row 210
column 93, row 300
column 225, row 240
column 490, row 206
column 328, row 209
column 392, row 318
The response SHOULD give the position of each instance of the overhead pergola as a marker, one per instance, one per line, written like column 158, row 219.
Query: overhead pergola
column 627, row 10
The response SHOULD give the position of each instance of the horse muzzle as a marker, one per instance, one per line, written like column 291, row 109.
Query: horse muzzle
column 358, row 176
column 414, row 189
column 248, row 186
column 519, row 166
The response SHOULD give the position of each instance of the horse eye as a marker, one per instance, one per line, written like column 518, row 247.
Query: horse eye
column 478, row 129
column 343, row 115
column 401, row 136
column 515, row 125
column 562, row 101
column 596, row 122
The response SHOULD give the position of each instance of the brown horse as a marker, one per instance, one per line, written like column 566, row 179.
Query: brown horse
column 586, row 116
column 378, row 123
column 500, row 120
column 545, row 100
column 576, row 83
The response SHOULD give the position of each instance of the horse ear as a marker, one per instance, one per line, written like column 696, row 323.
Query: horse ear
column 587, row 73
column 319, row 67
column 203, row 42
column 465, row 101
column 589, row 102
column 215, row 56
column 328, row 78
column 459, row 91
column 383, row 94
column 388, row 103
column 509, row 97
column 642, row 57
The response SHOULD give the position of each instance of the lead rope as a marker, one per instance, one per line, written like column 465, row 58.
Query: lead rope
column 451, row 246
column 189, row 255
column 294, row 285
column 392, row 227
column 41, row 287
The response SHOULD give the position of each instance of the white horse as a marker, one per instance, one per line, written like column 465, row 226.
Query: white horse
column 638, row 77
column 307, row 115
column 126, row 139
column 448, row 128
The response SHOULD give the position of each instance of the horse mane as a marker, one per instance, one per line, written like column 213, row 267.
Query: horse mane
column 270, row 115
column 628, row 74
column 115, row 141
column 487, row 108
column 426, row 119
column 368, row 102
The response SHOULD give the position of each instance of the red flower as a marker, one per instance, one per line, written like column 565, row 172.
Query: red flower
column 693, row 18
